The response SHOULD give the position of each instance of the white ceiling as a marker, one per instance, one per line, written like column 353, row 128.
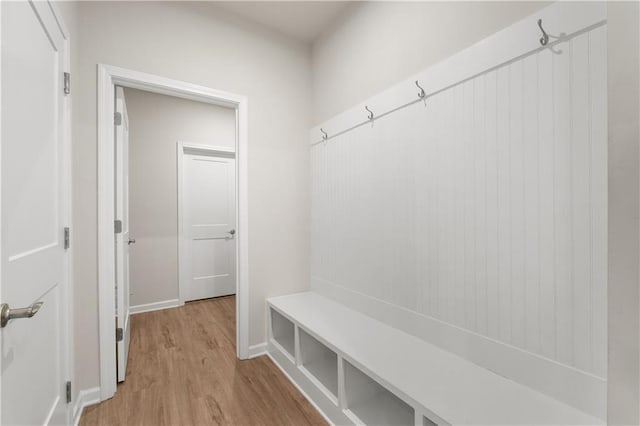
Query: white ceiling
column 302, row 20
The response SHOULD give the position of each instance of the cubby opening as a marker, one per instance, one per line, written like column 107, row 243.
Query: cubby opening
column 283, row 332
column 373, row 404
column 320, row 361
column 428, row 422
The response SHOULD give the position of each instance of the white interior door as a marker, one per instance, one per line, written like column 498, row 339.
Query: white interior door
column 35, row 208
column 123, row 239
column 207, row 215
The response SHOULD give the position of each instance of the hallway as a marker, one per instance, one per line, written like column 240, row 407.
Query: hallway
column 183, row 371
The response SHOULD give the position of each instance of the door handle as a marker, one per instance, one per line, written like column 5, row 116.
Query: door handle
column 6, row 313
column 131, row 241
column 232, row 232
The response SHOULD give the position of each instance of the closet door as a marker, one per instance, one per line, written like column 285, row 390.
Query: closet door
column 207, row 261
column 35, row 205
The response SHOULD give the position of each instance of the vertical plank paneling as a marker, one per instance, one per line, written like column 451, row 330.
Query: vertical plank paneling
column 383, row 226
column 516, row 196
column 440, row 106
column 503, row 124
column 410, row 257
column 562, row 126
column 447, row 192
column 492, row 203
column 424, row 213
column 547, row 223
column 469, row 207
column 430, row 121
column 479, row 156
column 316, row 180
column 317, row 214
column 354, row 178
column 420, row 183
column 483, row 206
column 370, row 215
column 598, row 129
column 456, row 155
column 531, row 212
column 405, row 184
column 581, row 208
column 333, row 163
column 429, row 257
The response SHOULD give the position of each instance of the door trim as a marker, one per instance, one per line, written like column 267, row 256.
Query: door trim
column 108, row 77
column 214, row 151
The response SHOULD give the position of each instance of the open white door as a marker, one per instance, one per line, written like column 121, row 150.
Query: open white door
column 207, row 251
column 35, row 209
column 123, row 240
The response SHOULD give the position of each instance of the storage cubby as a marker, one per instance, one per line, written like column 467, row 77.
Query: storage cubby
column 320, row 361
column 283, row 332
column 428, row 422
column 371, row 403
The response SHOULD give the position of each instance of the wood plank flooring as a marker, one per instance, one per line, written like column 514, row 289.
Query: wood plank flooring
column 183, row 371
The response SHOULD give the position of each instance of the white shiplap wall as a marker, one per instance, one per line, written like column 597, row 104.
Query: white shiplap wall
column 483, row 208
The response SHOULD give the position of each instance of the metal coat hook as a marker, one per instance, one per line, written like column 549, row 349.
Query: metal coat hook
column 324, row 134
column 545, row 37
column 370, row 112
column 421, row 94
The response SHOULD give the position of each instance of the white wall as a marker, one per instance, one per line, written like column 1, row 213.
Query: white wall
column 624, row 215
column 378, row 44
column 156, row 123
column 196, row 42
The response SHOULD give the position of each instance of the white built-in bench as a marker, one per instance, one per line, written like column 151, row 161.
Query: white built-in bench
column 357, row 370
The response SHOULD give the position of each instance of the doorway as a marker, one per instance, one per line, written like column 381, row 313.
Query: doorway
column 109, row 78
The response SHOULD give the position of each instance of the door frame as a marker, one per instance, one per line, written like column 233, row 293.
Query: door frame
column 108, row 77
column 210, row 150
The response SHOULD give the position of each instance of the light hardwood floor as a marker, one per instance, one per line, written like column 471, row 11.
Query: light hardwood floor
column 183, row 371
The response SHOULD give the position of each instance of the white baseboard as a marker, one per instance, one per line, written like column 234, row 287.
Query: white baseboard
column 84, row 399
column 257, row 350
column 155, row 306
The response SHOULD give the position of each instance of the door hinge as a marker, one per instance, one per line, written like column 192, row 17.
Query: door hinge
column 117, row 118
column 68, row 392
column 67, row 238
column 67, row 83
column 119, row 334
column 117, row 225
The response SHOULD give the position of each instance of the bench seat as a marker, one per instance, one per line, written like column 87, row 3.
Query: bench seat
column 382, row 371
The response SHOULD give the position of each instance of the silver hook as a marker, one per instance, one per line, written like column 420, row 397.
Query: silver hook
column 324, row 134
column 421, row 94
column 545, row 37
column 370, row 112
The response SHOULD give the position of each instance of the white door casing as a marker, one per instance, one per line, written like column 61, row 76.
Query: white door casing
column 206, row 216
column 36, row 206
column 123, row 239
column 109, row 77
